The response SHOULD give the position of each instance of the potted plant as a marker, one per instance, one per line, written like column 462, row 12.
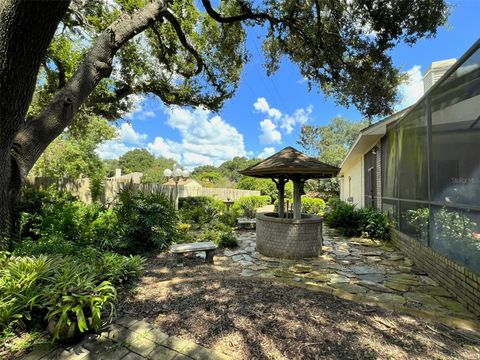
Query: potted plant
column 76, row 304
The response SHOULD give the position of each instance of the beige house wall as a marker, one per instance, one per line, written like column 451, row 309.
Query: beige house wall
column 351, row 183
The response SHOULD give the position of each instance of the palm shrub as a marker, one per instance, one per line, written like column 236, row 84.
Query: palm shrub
column 145, row 222
column 343, row 217
column 247, row 205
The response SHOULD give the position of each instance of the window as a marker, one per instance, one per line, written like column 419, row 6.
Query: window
column 456, row 137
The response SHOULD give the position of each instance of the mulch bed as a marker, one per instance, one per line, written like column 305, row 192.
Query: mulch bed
column 261, row 319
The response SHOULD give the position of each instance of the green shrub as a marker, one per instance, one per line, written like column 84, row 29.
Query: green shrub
column 221, row 238
column 105, row 230
column 54, row 246
column 200, row 209
column 66, row 288
column 117, row 268
column 56, row 214
column 74, row 297
column 145, row 222
column 22, row 282
column 227, row 240
column 344, row 217
column 353, row 222
column 314, row 206
column 375, row 224
column 247, row 205
column 229, row 217
column 219, row 233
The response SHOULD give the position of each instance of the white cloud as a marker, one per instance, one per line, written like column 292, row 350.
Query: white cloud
column 270, row 134
column 112, row 149
column 130, row 136
column 127, row 139
column 162, row 147
column 206, row 139
column 412, row 89
column 262, row 106
column 299, row 117
column 286, row 122
column 267, row 151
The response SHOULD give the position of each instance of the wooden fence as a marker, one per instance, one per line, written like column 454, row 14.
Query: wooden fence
column 81, row 189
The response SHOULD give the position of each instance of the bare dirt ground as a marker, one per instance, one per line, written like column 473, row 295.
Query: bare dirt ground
column 262, row 319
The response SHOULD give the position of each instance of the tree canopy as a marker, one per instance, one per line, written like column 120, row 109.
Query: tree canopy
column 62, row 62
column 329, row 143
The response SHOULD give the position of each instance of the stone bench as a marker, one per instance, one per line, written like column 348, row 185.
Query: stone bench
column 246, row 223
column 207, row 246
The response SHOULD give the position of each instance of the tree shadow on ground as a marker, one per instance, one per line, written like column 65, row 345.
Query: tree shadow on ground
column 259, row 319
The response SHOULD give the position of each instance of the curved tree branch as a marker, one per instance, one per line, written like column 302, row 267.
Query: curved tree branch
column 248, row 14
column 170, row 16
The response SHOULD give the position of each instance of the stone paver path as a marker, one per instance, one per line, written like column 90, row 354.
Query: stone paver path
column 368, row 270
column 127, row 339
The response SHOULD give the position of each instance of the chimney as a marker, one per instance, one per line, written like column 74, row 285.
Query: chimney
column 118, row 173
column 435, row 71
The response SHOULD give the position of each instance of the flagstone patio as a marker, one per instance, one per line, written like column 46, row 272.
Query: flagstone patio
column 367, row 270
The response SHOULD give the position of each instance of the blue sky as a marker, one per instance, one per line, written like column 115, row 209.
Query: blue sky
column 266, row 113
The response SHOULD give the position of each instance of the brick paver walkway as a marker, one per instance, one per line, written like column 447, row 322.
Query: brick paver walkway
column 127, row 339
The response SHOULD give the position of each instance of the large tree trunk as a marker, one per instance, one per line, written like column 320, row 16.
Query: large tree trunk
column 26, row 30
column 27, row 37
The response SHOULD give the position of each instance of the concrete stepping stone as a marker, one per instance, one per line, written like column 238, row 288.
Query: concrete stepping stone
column 248, row 272
column 454, row 306
column 318, row 277
column 362, row 270
column 282, row 273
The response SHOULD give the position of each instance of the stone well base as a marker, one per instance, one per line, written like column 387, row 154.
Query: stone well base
column 289, row 238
